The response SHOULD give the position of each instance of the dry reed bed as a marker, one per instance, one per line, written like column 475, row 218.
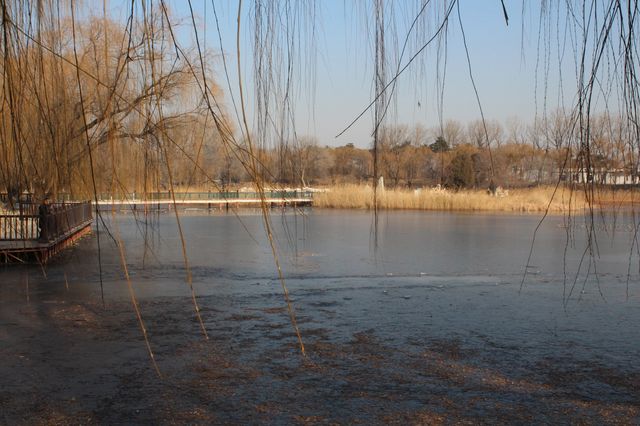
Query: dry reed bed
column 618, row 198
column 520, row 200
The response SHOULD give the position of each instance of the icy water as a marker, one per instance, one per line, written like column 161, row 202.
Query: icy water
column 426, row 320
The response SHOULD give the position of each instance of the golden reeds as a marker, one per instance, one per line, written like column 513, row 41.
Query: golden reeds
column 528, row 200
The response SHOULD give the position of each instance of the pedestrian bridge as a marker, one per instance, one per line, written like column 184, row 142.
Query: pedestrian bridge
column 211, row 200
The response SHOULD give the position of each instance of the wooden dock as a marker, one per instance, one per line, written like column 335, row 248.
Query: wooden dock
column 26, row 235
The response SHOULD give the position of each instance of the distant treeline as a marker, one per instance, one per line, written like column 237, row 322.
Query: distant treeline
column 454, row 156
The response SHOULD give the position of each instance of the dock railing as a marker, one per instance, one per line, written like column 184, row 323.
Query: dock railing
column 59, row 219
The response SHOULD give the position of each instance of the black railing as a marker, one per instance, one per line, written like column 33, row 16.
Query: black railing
column 19, row 227
column 36, row 222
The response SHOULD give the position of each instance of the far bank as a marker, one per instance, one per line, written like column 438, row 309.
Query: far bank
column 524, row 200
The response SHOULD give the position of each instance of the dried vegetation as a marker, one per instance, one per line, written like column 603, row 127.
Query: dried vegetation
column 516, row 200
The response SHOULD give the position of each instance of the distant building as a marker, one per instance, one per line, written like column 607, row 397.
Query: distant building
column 604, row 176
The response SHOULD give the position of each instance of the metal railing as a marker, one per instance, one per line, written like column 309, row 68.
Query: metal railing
column 33, row 222
column 228, row 195
column 19, row 227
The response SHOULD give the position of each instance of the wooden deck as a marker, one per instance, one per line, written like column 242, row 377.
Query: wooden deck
column 64, row 225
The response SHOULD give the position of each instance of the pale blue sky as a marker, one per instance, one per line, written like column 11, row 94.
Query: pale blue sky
column 504, row 60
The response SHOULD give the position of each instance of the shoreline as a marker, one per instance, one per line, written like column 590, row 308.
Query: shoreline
column 361, row 197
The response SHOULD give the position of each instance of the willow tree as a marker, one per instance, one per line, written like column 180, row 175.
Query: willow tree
column 79, row 102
